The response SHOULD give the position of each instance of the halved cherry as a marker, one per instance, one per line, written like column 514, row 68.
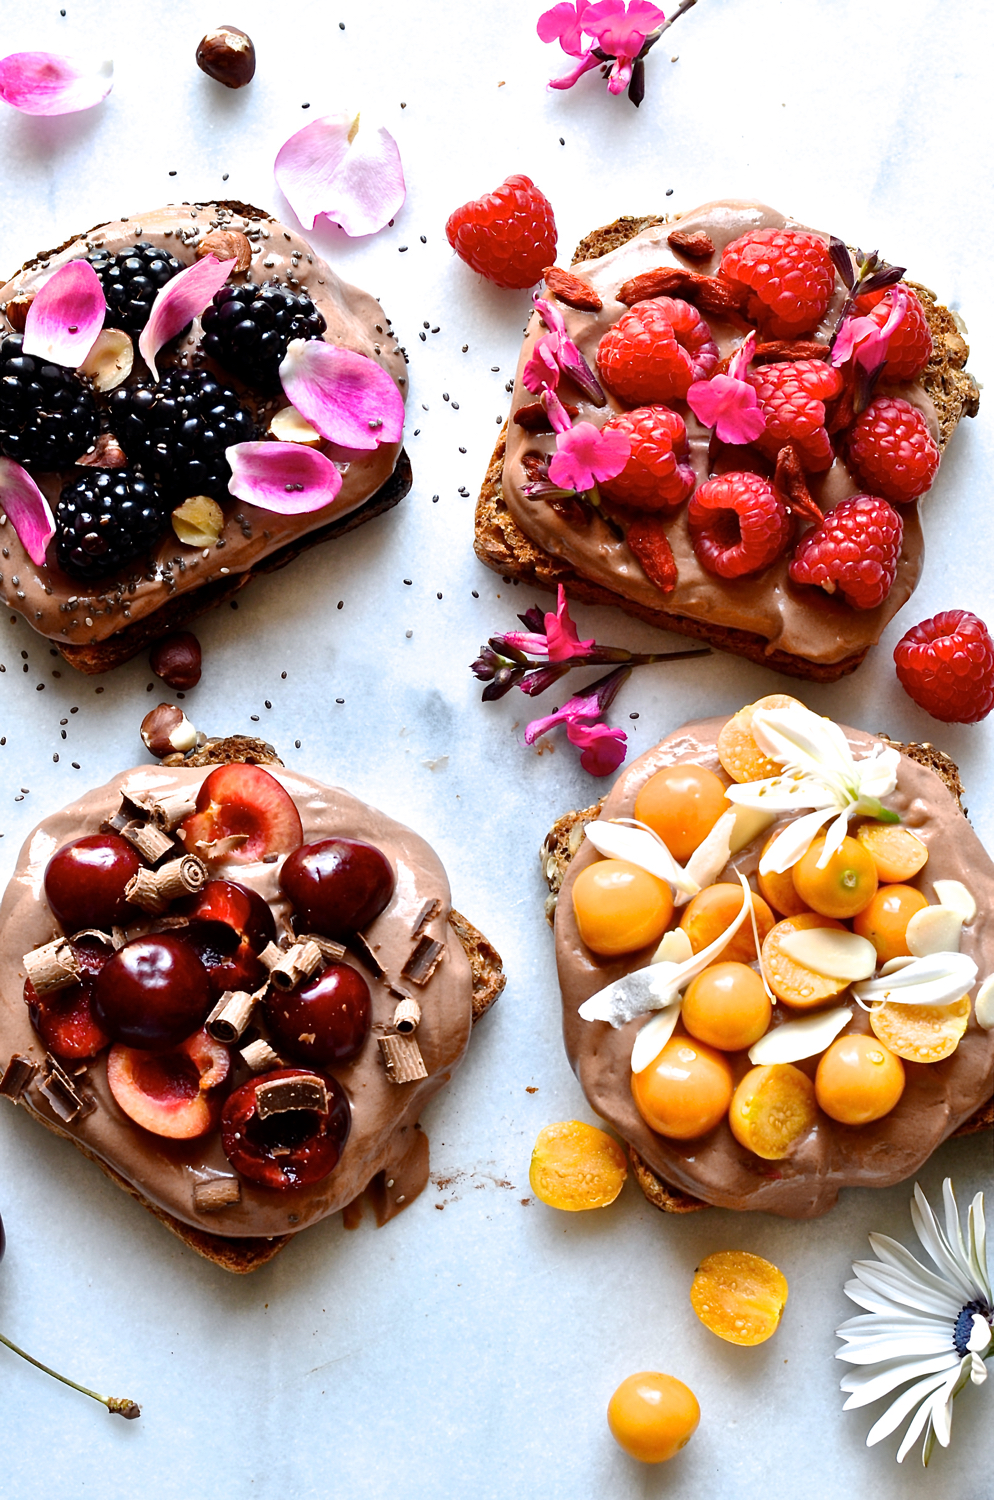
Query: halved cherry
column 292, row 1149
column 247, row 803
column 325, row 1020
column 153, row 993
column 229, row 925
column 85, row 881
column 64, row 1018
column 337, row 885
column 171, row 1093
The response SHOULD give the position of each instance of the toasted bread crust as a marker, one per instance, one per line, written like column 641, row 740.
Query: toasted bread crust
column 564, row 839
column 503, row 546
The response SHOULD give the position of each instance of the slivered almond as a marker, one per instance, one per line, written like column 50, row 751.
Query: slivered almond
column 835, row 954
column 934, row 929
column 954, row 894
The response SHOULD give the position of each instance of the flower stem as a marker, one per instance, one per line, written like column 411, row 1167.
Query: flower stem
column 684, row 5
column 119, row 1404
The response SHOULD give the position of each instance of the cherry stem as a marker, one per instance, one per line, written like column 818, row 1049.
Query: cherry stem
column 119, row 1404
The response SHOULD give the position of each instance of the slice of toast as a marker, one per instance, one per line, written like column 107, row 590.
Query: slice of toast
column 502, row 545
column 561, row 844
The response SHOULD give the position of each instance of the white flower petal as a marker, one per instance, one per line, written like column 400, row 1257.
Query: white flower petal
column 980, row 1336
column 906, row 1290
column 942, row 1410
column 795, row 840
column 895, row 1255
column 892, row 1321
column 834, row 839
column 640, row 846
column 796, row 737
column 935, row 979
column 922, row 1416
column 869, row 1387
column 653, row 1037
column 978, row 1244
column 879, row 1348
column 938, row 1247
column 899, row 1409
column 954, row 1231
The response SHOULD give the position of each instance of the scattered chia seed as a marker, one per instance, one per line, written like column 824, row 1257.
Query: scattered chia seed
column 408, row 634
column 305, row 106
column 633, row 716
column 424, row 239
column 296, row 744
column 434, row 499
column 75, row 765
column 401, row 249
column 55, row 757
column 422, row 336
column 341, row 603
column 172, row 174
column 455, row 406
column 224, row 176
column 561, row 141
column 465, row 348
column 268, row 704
column 438, row 596
column 339, row 700
column 283, row 676
column 254, row 718
column 462, row 450
column 408, row 581
column 669, row 192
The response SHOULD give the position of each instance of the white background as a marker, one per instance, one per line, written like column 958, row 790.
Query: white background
column 471, row 1351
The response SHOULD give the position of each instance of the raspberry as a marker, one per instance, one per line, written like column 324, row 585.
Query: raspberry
column 737, row 524
column 648, row 541
column 854, row 550
column 656, row 351
column 946, row 665
column 509, row 235
column 892, row 451
column 793, row 397
column 789, row 275
column 910, row 347
column 657, row 475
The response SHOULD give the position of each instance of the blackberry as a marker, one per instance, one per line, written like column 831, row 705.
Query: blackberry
column 47, row 416
column 131, row 279
column 177, row 431
column 105, row 519
column 247, row 329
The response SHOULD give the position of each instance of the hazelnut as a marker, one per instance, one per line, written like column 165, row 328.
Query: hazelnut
column 198, row 522
column 288, row 426
column 17, row 310
column 167, row 730
column 227, row 244
column 176, row 659
column 227, row 55
column 110, row 361
column 106, row 453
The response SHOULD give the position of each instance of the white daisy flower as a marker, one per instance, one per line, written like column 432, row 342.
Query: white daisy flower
column 932, row 1328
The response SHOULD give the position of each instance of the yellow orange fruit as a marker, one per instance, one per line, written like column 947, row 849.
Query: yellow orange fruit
column 884, row 920
column 858, row 1080
column 575, row 1166
column 778, row 888
column 791, row 981
column 726, row 1006
column 620, row 908
column 897, row 852
column 843, row 885
column 772, row 1107
column 713, row 910
column 739, row 1296
column 920, row 1033
column 738, row 751
column 685, row 1090
column 652, row 1416
column 682, row 804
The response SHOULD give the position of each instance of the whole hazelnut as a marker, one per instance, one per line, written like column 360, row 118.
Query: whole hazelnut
column 176, row 659
column 167, row 730
column 227, row 55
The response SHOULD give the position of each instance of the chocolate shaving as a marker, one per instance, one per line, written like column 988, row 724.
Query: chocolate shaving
column 129, row 811
column 181, row 877
column 407, row 1016
column 402, row 1058
column 16, row 1076
column 698, row 246
column 259, row 1056
column 398, row 991
column 423, row 961
column 366, row 956
column 232, row 1014
column 142, row 890
column 429, row 910
column 118, row 937
column 305, row 1091
column 169, row 811
column 221, row 1192
column 219, row 848
column 709, row 293
column 331, row 952
column 64, row 1097
column 51, row 967
column 151, row 842
column 572, row 289
column 533, row 416
column 271, row 955
column 298, row 963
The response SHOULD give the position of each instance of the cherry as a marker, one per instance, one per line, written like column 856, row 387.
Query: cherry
column 241, row 800
column 170, row 1093
column 153, row 993
column 292, row 1149
column 64, row 1018
column 324, row 1020
column 337, row 886
column 85, row 881
column 229, row 925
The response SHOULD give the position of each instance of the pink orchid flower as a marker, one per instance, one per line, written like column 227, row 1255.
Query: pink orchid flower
column 586, row 456
column 564, row 24
column 603, row 747
column 621, row 31
column 728, row 403
column 863, row 339
column 560, row 641
column 43, row 83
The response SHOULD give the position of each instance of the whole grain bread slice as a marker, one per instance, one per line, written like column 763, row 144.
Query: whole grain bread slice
column 561, row 844
column 501, row 544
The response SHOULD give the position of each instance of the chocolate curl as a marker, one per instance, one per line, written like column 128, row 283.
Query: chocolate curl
column 168, row 811
column 285, row 1095
column 221, row 1192
column 298, row 963
column 271, row 955
column 330, row 951
column 430, row 909
column 131, row 810
column 16, row 1076
column 153, row 890
column 260, row 1057
column 231, row 1015
column 709, row 293
column 571, row 289
column 402, row 1058
column 423, row 961
column 407, row 1016
column 66, row 1100
column 151, row 842
column 696, row 246
column 52, row 967
column 790, row 483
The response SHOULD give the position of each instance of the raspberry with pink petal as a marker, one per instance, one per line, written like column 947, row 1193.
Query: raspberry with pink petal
column 892, row 450
column 658, row 474
column 854, row 550
column 910, row 347
column 509, row 235
column 789, row 275
column 792, row 397
column 946, row 664
column 656, row 351
column 738, row 524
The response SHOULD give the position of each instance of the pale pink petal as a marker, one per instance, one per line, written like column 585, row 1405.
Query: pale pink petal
column 349, row 398
column 729, row 406
column 179, row 301
column 43, row 83
column 66, row 315
column 550, row 315
column 27, row 510
column 872, row 351
column 557, row 413
column 350, row 173
column 604, row 748
column 738, row 365
column 283, row 477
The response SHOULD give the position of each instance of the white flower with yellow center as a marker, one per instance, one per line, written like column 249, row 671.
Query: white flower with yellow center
column 820, row 772
column 930, row 1328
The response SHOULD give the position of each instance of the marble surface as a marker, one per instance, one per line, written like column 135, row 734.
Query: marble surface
column 470, row 1347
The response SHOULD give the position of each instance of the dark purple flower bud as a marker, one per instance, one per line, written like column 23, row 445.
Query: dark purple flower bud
column 880, row 280
column 534, row 619
column 503, row 682
column 842, row 260
column 486, row 665
column 536, row 682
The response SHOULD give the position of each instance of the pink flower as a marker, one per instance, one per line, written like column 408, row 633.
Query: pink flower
column 621, row 30
column 603, row 748
column 586, row 456
column 43, row 83
column 560, row 640
column 862, row 338
column 555, row 353
column 564, row 24
column 728, row 403
column 353, row 176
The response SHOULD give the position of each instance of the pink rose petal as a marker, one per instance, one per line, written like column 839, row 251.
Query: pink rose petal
column 349, row 172
column 283, row 477
column 43, row 83
column 27, row 510
column 179, row 301
column 350, row 399
column 66, row 315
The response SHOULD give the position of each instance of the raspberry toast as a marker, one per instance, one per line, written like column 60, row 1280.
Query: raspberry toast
column 659, row 308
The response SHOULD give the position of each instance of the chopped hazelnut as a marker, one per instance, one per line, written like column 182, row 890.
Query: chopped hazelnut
column 110, row 360
column 106, row 453
column 167, row 730
column 227, row 55
column 176, row 659
column 198, row 522
column 17, row 311
column 227, row 244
